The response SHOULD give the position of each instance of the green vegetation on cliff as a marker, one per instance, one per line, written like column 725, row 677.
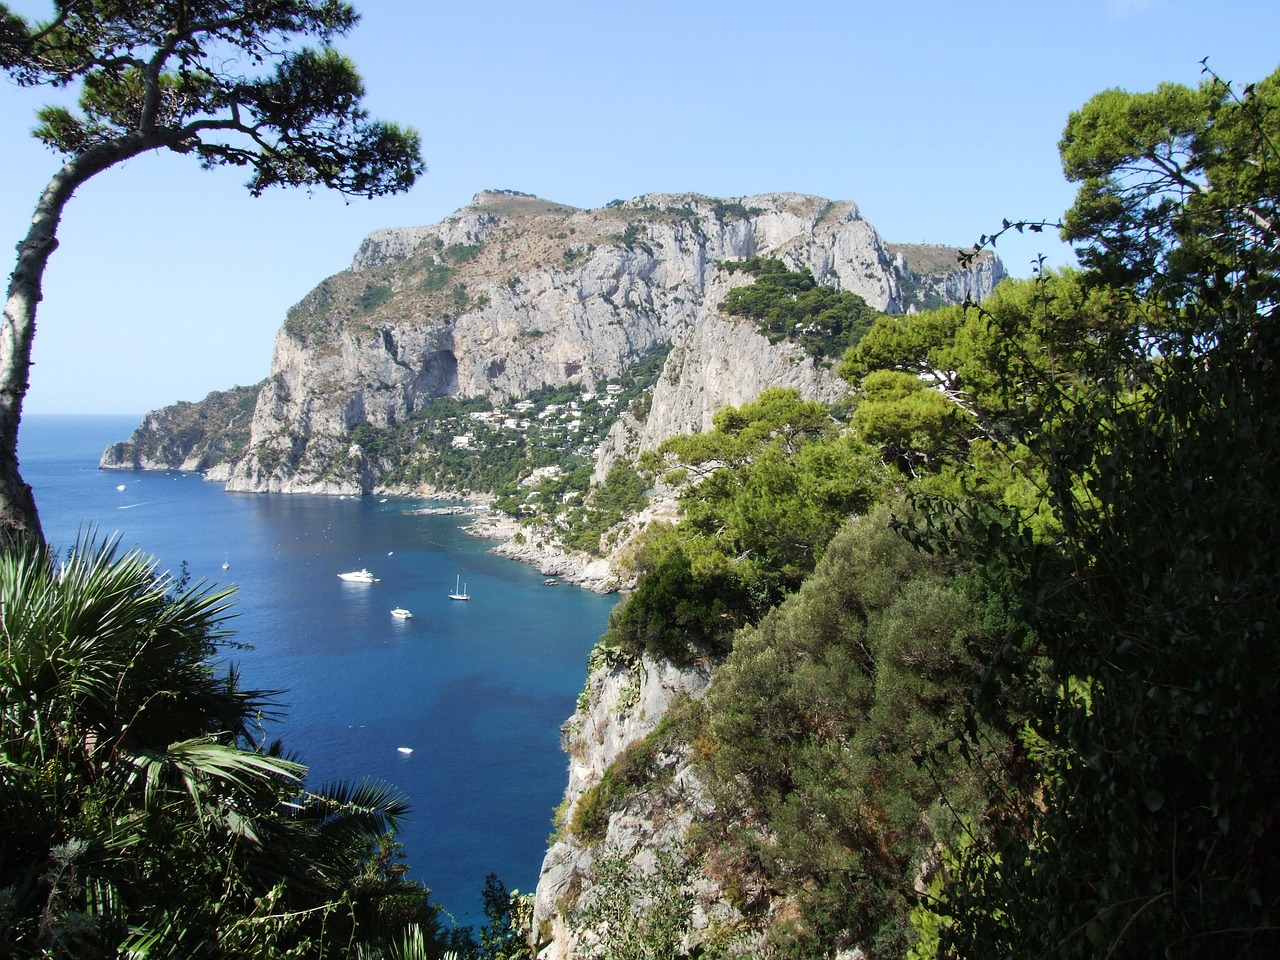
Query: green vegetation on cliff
column 1028, row 710
column 761, row 495
column 535, row 455
column 213, row 431
column 790, row 305
column 820, row 729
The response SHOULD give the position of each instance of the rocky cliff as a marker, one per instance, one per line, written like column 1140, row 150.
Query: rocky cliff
column 622, row 704
column 513, row 297
column 207, row 436
column 513, row 294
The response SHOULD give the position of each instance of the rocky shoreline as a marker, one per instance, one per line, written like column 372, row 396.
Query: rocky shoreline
column 543, row 553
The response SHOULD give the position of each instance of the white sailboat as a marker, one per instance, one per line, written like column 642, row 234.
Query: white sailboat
column 459, row 593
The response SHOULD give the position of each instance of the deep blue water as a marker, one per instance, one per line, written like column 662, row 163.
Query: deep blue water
column 477, row 689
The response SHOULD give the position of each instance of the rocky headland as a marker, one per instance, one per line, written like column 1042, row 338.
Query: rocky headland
column 513, row 295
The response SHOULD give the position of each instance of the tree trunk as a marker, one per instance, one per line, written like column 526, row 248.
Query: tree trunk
column 19, row 520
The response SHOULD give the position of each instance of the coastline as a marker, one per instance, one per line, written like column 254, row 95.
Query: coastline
column 543, row 553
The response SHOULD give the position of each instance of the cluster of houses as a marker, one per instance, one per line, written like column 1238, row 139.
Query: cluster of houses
column 558, row 419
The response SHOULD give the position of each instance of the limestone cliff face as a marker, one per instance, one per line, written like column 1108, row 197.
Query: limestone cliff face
column 622, row 704
column 514, row 293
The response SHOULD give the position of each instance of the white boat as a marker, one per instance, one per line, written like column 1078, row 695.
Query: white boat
column 400, row 613
column 459, row 593
column 405, row 750
column 359, row 576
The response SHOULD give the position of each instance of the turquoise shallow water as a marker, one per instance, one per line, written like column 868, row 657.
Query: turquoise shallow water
column 476, row 689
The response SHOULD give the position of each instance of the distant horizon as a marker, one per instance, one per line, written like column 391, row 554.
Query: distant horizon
column 73, row 413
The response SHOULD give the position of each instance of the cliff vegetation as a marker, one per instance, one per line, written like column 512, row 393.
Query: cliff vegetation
column 1021, row 703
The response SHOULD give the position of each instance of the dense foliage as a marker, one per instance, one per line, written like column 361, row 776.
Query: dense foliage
column 139, row 808
column 762, row 494
column 1144, row 633
column 819, row 725
column 791, row 305
column 1049, row 730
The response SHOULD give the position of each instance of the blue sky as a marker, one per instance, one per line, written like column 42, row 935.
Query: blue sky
column 937, row 118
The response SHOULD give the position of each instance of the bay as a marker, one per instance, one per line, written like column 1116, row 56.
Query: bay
column 476, row 689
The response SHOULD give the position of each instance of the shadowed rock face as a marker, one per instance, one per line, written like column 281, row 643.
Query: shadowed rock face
column 514, row 293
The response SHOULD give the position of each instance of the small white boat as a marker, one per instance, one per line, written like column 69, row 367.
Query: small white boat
column 400, row 613
column 119, row 486
column 459, row 593
column 358, row 576
column 405, row 750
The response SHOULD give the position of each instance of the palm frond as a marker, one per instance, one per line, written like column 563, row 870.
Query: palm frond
column 373, row 806
column 213, row 775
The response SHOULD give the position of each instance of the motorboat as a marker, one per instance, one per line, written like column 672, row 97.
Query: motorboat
column 459, row 592
column 400, row 613
column 358, row 576
column 405, row 750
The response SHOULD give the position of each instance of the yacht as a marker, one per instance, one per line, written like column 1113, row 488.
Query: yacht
column 400, row 613
column 459, row 593
column 358, row 576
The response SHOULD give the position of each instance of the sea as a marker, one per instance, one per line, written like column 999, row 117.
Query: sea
column 458, row 707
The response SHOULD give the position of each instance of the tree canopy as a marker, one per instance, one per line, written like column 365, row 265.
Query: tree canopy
column 1144, row 806
column 791, row 305
column 1092, row 458
column 229, row 82
column 1171, row 182
column 761, row 496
